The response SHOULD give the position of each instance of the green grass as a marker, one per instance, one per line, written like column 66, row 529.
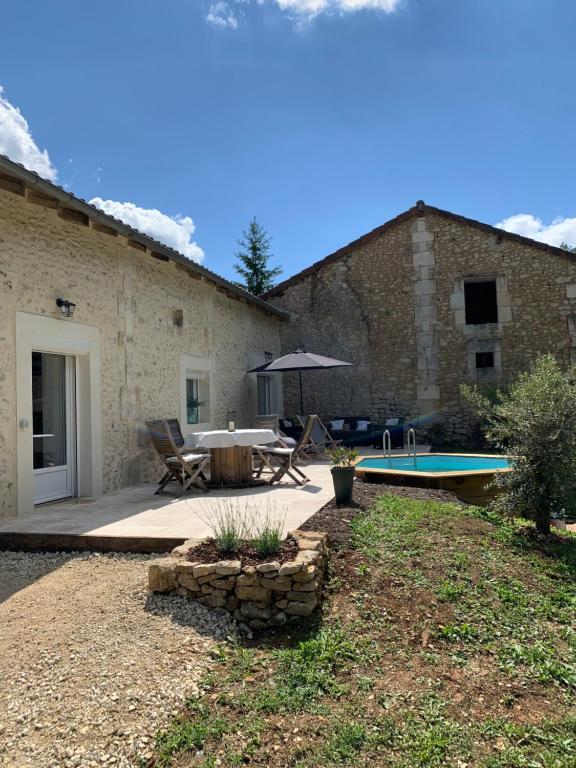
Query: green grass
column 492, row 685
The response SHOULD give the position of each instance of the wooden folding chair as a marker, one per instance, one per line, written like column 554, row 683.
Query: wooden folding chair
column 320, row 439
column 270, row 421
column 280, row 460
column 186, row 468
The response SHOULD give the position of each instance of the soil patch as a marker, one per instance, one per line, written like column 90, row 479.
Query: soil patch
column 335, row 520
column 208, row 552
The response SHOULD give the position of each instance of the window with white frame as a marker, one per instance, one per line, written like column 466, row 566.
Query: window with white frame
column 195, row 385
column 264, row 386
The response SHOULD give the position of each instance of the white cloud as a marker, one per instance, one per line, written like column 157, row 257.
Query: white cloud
column 560, row 230
column 174, row 231
column 313, row 7
column 221, row 15
column 16, row 141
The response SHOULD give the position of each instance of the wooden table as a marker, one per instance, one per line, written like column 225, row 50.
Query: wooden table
column 231, row 466
column 231, row 454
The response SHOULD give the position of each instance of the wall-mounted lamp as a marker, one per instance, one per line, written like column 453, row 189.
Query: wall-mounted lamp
column 66, row 306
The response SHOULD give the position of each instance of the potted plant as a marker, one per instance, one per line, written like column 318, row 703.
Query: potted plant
column 343, row 459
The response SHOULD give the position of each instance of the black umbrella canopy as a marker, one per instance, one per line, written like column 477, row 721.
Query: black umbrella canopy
column 300, row 360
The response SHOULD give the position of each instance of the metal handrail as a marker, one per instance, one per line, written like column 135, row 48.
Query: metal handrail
column 412, row 440
column 387, row 445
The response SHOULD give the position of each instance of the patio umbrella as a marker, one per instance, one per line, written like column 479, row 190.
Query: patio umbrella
column 299, row 360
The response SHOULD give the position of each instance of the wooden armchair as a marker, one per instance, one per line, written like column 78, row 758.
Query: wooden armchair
column 280, row 460
column 184, row 467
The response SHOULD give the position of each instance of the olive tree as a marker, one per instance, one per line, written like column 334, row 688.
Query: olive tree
column 534, row 422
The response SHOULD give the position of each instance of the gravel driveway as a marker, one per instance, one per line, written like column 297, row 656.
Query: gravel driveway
column 91, row 666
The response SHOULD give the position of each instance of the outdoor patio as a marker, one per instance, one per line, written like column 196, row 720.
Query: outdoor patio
column 134, row 519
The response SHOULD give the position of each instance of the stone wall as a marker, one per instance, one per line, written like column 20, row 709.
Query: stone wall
column 149, row 312
column 264, row 595
column 393, row 304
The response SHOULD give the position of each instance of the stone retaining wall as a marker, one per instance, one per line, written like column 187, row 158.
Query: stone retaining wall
column 263, row 595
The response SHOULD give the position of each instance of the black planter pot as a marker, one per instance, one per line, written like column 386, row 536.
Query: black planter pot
column 343, row 479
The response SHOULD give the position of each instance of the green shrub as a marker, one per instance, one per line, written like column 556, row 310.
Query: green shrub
column 534, row 422
column 341, row 456
column 268, row 542
column 228, row 524
column 267, row 532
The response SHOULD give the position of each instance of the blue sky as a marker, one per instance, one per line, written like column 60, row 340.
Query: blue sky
column 322, row 118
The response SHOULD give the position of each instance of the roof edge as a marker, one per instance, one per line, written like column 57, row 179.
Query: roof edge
column 420, row 209
column 32, row 179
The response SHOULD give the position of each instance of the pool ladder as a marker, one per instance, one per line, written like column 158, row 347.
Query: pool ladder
column 387, row 445
column 412, row 445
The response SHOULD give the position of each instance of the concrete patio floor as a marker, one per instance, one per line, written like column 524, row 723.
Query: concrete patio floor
column 135, row 519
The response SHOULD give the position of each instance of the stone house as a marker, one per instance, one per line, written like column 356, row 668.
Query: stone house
column 152, row 335
column 421, row 304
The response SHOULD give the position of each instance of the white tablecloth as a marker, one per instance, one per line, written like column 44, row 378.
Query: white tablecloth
column 221, row 438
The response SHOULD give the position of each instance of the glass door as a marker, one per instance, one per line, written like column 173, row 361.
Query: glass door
column 54, row 429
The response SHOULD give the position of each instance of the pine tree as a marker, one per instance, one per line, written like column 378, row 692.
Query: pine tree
column 254, row 255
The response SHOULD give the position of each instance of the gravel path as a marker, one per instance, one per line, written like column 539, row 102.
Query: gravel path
column 91, row 666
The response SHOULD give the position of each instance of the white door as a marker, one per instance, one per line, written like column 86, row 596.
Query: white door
column 54, row 426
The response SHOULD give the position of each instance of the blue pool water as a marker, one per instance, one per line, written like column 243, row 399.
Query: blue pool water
column 437, row 463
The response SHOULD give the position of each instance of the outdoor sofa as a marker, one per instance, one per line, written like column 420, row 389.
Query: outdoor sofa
column 354, row 431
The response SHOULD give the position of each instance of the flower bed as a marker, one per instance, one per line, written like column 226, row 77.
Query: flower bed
column 261, row 594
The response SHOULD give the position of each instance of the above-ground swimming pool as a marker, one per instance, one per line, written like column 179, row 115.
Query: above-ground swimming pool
column 466, row 475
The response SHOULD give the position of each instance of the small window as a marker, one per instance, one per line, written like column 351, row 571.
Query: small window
column 484, row 359
column 197, row 399
column 481, row 302
column 264, row 384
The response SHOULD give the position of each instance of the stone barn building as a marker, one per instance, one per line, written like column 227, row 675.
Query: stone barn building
column 152, row 335
column 421, row 304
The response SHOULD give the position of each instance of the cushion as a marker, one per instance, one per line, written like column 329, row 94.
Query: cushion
column 189, row 458
column 287, row 422
column 392, row 422
column 337, row 424
column 362, row 425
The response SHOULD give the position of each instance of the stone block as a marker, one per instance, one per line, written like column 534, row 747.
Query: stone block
column 254, row 593
column 208, row 577
column 182, row 549
column 268, row 567
column 307, row 557
column 204, row 569
column 216, row 599
column 187, row 580
column 307, row 573
column 228, row 567
column 255, row 610
column 306, row 586
column 257, row 624
column 277, row 584
column 287, row 569
column 226, row 583
column 183, row 566
column 247, row 580
column 302, row 597
column 300, row 609
column 162, row 575
column 232, row 603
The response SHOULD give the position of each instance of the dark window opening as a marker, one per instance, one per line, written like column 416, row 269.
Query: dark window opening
column 481, row 302
column 484, row 359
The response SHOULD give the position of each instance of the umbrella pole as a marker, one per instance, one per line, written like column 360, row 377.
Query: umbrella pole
column 301, row 395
